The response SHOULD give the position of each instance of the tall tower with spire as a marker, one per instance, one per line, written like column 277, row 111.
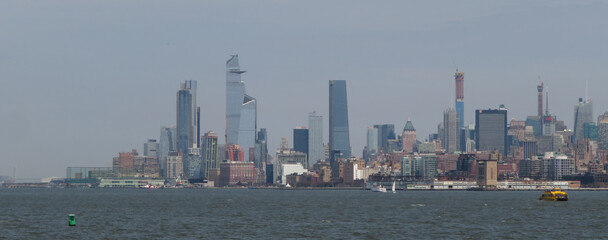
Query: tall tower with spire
column 540, row 98
column 459, row 77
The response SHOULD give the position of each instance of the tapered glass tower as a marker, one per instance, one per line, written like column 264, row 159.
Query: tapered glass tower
column 339, row 140
column 187, row 117
column 241, row 109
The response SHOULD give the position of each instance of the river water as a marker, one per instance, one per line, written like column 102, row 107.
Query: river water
column 301, row 214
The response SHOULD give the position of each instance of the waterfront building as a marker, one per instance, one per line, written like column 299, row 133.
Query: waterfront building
column 491, row 130
column 193, row 163
column 300, row 141
column 556, row 166
column 270, row 173
column 124, row 161
column 316, row 151
column 408, row 137
column 530, row 168
column 241, row 109
column 150, row 148
column 583, row 113
column 209, row 153
column 487, row 173
column 291, row 156
column 146, row 166
column 406, row 166
column 174, row 165
column 425, row 166
column 236, row 173
column 288, row 169
column 339, row 139
column 451, row 131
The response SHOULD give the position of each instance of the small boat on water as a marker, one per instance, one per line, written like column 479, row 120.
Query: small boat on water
column 148, row 186
column 378, row 188
column 554, row 195
column 393, row 187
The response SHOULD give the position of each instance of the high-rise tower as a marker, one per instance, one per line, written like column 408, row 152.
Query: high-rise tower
column 451, row 131
column 339, row 140
column 583, row 113
column 409, row 137
column 187, row 117
column 459, row 77
column 316, row 151
column 540, row 99
column 491, row 130
column 209, row 153
column 241, row 109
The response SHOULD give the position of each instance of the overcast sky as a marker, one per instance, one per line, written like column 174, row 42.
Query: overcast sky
column 83, row 80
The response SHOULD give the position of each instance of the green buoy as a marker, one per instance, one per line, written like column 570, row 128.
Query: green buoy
column 72, row 220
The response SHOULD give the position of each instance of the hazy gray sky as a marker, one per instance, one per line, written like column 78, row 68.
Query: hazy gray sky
column 84, row 80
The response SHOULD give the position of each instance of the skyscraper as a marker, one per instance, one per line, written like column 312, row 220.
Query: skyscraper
column 187, row 120
column 451, row 131
column 339, row 139
column 150, row 148
column 193, row 165
column 300, row 141
column 385, row 132
column 241, row 109
column 583, row 113
column 261, row 149
column 166, row 144
column 209, row 153
column 491, row 130
column 408, row 137
column 316, row 151
column 540, row 99
column 459, row 77
column 372, row 140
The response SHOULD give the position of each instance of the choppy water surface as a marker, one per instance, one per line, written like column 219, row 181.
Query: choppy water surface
column 264, row 214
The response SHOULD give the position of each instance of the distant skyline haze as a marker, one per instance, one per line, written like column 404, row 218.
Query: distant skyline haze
column 83, row 81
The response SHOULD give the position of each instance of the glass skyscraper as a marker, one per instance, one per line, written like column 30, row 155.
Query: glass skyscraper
column 583, row 113
column 187, row 117
column 209, row 153
column 339, row 140
column 491, row 130
column 316, row 151
column 241, row 109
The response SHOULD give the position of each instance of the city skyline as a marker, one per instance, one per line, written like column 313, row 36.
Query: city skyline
column 90, row 91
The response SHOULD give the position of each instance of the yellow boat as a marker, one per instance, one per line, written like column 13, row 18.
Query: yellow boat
column 554, row 195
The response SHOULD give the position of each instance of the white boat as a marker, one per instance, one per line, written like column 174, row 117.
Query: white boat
column 378, row 188
column 148, row 186
column 393, row 187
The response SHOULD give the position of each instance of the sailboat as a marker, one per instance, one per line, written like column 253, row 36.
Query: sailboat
column 394, row 187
